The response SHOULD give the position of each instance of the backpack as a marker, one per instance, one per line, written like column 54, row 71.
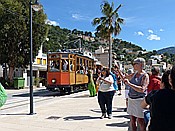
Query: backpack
column 115, row 81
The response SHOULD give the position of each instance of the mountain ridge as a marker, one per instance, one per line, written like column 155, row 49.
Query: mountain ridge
column 169, row 50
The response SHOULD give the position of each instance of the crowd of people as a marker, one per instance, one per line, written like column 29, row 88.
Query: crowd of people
column 150, row 98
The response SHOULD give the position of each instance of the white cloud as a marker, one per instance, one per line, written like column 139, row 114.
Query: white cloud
column 161, row 30
column 153, row 37
column 77, row 16
column 54, row 23
column 140, row 33
column 129, row 20
column 150, row 31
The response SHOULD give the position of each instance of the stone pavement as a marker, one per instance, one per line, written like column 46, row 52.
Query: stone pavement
column 74, row 112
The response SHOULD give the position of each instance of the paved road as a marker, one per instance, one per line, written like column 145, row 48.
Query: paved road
column 74, row 112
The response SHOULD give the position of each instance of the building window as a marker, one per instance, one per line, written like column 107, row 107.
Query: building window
column 39, row 60
column 44, row 61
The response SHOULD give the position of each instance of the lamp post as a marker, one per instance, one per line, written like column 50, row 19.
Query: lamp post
column 36, row 6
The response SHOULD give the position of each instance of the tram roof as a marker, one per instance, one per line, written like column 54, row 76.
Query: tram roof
column 70, row 52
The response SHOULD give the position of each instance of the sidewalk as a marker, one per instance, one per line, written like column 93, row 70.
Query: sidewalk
column 75, row 112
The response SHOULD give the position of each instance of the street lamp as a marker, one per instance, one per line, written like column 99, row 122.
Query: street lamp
column 36, row 7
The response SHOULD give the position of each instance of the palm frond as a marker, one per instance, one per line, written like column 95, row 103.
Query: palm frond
column 110, row 22
column 96, row 21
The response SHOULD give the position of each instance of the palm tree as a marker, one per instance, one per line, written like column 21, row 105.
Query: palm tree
column 108, row 24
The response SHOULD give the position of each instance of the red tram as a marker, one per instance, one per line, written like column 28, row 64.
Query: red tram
column 67, row 71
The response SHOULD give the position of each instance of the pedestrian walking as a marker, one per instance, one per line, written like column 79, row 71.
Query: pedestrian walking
column 138, row 83
column 114, row 76
column 119, row 84
column 162, row 104
column 105, row 93
column 91, row 85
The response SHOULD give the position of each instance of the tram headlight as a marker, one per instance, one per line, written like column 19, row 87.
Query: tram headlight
column 54, row 81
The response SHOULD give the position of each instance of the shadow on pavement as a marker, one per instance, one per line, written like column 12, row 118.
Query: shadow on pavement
column 118, row 109
column 96, row 110
column 82, row 96
column 17, row 114
column 123, row 116
column 53, row 117
column 80, row 118
column 122, row 124
column 99, row 111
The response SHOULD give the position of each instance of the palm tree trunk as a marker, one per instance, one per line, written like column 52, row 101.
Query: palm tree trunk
column 110, row 52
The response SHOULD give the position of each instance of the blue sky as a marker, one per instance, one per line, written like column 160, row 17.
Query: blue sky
column 148, row 23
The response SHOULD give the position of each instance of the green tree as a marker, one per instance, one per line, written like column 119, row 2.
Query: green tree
column 14, row 33
column 108, row 24
column 57, row 37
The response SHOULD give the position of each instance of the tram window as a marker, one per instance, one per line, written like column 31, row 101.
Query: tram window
column 82, row 70
column 57, row 66
column 65, row 65
column 90, row 63
column 77, row 65
column 58, row 56
column 65, row 55
column 86, row 66
column 77, row 61
column 78, row 68
column 81, row 62
column 54, row 65
column 84, row 61
column 53, row 56
column 71, row 66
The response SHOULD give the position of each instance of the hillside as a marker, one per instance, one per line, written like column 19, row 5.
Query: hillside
column 169, row 50
column 64, row 38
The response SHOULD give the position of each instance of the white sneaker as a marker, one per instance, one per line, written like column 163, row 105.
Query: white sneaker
column 110, row 116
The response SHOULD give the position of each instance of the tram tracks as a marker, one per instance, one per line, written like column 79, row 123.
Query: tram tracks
column 20, row 103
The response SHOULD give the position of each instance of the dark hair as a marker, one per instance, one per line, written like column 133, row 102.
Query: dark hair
column 165, row 79
column 172, row 74
column 81, row 67
column 107, row 71
column 155, row 70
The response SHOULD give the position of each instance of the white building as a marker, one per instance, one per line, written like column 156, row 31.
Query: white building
column 159, row 57
column 39, row 68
